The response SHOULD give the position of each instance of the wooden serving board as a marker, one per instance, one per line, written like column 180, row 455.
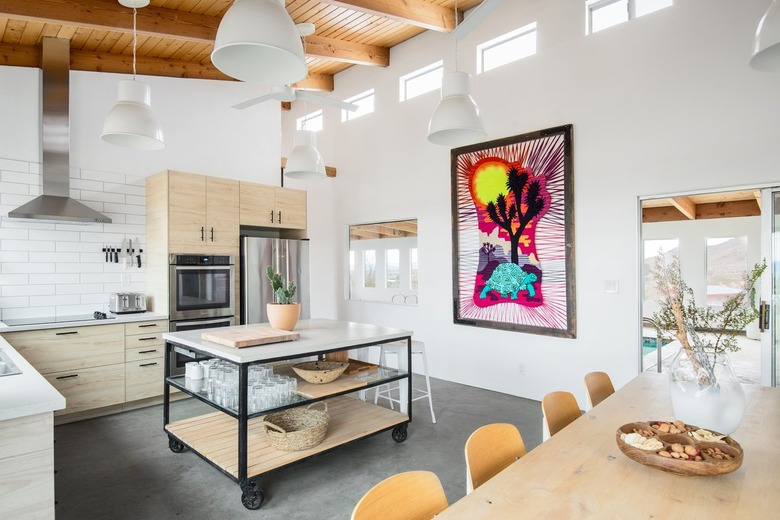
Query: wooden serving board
column 312, row 390
column 249, row 336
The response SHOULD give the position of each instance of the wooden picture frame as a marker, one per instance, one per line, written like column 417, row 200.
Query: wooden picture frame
column 513, row 264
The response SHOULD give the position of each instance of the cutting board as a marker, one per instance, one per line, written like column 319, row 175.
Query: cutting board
column 249, row 336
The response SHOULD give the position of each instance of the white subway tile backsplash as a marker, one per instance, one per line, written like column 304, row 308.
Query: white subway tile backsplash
column 63, row 236
column 55, row 278
column 49, row 269
column 14, row 256
column 21, row 268
column 27, row 290
column 26, row 245
column 117, row 178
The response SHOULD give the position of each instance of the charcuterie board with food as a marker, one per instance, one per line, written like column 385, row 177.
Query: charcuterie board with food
column 679, row 448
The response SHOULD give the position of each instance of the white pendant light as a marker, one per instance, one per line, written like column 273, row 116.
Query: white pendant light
column 766, row 46
column 257, row 41
column 456, row 120
column 305, row 162
column 131, row 123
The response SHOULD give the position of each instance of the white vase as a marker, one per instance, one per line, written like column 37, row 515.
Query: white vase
column 705, row 391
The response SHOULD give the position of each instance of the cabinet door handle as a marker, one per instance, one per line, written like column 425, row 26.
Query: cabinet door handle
column 66, row 333
column 147, row 364
column 272, row 216
column 147, row 351
column 202, row 234
column 212, row 234
column 147, row 325
column 68, row 377
column 147, row 339
column 280, row 217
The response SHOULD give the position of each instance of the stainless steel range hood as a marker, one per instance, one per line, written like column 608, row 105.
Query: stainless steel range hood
column 55, row 204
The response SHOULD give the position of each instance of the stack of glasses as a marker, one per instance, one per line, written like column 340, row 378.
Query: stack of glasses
column 264, row 389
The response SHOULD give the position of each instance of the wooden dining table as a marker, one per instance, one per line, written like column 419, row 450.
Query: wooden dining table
column 581, row 473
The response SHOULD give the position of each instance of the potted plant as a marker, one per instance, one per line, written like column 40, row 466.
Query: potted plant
column 705, row 390
column 283, row 314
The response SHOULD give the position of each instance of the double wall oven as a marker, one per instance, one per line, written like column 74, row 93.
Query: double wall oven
column 201, row 296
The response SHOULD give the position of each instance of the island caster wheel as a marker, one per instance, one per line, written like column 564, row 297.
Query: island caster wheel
column 175, row 446
column 252, row 497
column 399, row 433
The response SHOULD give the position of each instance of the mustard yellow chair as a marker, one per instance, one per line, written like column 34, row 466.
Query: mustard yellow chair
column 599, row 387
column 413, row 495
column 489, row 450
column 559, row 409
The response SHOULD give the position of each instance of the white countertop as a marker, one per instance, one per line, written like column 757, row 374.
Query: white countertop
column 27, row 393
column 119, row 318
column 316, row 336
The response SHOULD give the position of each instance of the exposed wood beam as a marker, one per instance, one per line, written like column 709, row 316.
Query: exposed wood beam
column 169, row 23
column 686, row 206
column 347, row 52
column 420, row 13
column 316, row 82
column 757, row 195
column 109, row 15
column 330, row 171
column 661, row 214
column 704, row 211
column 29, row 56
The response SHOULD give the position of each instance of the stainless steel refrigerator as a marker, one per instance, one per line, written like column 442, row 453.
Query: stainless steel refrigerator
column 288, row 257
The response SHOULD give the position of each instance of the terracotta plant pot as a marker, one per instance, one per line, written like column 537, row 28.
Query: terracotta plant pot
column 283, row 316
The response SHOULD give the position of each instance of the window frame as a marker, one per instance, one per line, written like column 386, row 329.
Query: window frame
column 301, row 121
column 493, row 43
column 346, row 115
column 631, row 8
column 404, row 80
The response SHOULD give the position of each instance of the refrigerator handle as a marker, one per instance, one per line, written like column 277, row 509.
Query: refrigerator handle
column 272, row 216
column 280, row 217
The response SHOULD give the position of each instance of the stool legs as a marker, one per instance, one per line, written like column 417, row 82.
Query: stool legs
column 385, row 391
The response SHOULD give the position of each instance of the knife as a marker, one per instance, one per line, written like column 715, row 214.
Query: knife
column 138, row 245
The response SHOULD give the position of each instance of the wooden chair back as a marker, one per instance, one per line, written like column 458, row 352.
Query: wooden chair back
column 490, row 449
column 599, row 387
column 559, row 409
column 413, row 495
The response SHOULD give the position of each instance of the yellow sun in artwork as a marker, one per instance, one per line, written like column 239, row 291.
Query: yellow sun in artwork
column 489, row 181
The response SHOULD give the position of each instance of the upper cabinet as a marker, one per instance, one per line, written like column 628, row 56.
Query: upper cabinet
column 202, row 211
column 270, row 206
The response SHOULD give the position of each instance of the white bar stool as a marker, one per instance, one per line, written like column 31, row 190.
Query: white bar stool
column 385, row 391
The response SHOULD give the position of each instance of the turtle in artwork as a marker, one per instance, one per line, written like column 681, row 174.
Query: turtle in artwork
column 509, row 279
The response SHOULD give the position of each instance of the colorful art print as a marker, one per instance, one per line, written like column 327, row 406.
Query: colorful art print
column 513, row 233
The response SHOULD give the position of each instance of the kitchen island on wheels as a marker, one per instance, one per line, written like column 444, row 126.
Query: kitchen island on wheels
column 233, row 438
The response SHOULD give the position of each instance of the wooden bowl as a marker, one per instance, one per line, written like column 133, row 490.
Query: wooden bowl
column 320, row 372
column 712, row 463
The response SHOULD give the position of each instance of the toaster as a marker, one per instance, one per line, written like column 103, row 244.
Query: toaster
column 127, row 303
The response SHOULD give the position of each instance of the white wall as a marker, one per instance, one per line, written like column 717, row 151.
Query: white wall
column 59, row 269
column 661, row 104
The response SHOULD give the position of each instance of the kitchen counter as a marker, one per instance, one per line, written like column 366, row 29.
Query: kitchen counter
column 119, row 318
column 27, row 393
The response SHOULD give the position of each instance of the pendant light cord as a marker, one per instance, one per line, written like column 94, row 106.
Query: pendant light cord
column 135, row 11
column 456, row 40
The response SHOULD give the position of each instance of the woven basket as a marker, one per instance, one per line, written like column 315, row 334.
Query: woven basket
column 297, row 428
column 320, row 372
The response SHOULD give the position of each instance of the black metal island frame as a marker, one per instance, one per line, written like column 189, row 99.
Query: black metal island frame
column 233, row 440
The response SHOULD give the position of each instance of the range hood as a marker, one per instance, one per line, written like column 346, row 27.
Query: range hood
column 55, row 204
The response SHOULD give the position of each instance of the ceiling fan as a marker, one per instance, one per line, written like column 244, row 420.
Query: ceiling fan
column 289, row 94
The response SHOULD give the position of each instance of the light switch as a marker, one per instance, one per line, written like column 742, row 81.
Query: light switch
column 611, row 286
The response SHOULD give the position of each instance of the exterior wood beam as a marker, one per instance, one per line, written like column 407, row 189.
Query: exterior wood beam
column 685, row 206
column 757, row 195
column 419, row 13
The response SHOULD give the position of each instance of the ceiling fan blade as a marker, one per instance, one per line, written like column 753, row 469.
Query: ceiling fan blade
column 254, row 101
column 476, row 17
column 324, row 100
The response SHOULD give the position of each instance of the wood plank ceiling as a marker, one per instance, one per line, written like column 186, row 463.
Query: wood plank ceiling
column 176, row 37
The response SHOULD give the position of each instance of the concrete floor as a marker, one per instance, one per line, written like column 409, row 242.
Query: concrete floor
column 119, row 467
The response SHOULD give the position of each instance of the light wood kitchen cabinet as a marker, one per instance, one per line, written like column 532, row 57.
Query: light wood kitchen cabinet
column 89, row 388
column 27, row 467
column 144, row 359
column 270, row 206
column 202, row 212
column 70, row 348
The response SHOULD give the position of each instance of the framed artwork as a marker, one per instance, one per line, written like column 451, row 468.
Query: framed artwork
column 513, row 233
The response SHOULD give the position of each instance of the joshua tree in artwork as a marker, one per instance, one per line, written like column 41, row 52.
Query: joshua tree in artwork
column 528, row 199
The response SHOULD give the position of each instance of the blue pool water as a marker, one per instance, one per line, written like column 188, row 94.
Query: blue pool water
column 649, row 344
